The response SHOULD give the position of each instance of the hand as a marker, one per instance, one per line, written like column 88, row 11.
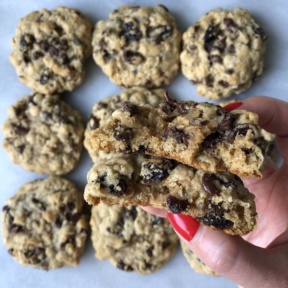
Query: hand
column 259, row 259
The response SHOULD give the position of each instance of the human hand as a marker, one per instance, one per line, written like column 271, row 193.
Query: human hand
column 259, row 259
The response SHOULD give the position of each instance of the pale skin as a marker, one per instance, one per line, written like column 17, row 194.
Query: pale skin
column 259, row 259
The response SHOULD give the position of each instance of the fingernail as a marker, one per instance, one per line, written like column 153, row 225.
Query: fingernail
column 184, row 225
column 232, row 106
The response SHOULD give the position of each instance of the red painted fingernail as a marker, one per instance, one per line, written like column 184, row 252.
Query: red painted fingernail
column 185, row 225
column 232, row 106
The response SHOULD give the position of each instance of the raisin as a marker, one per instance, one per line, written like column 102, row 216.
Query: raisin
column 230, row 49
column 208, row 183
column 53, row 51
column 133, row 57
column 47, row 116
column 210, row 36
column 94, row 122
column 209, row 80
column 223, row 83
column 75, row 217
column 41, row 205
column 26, row 41
column 178, row 134
column 44, row 79
column 176, row 205
column 158, row 220
column 20, row 130
column 36, row 55
column 121, row 265
column 247, row 150
column 229, row 71
column 215, row 58
column 118, row 189
column 212, row 140
column 123, row 135
column 131, row 213
column 132, row 109
column 20, row 148
column 259, row 31
column 160, row 33
column 44, row 46
column 230, row 23
column 15, row 228
column 58, row 222
column 130, row 32
column 155, row 172
column 149, row 251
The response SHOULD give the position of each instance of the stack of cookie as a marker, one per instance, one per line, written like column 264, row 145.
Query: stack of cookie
column 45, row 224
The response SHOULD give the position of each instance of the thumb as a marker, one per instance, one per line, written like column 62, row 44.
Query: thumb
column 230, row 256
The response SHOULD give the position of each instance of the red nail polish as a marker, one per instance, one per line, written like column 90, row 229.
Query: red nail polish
column 232, row 106
column 185, row 225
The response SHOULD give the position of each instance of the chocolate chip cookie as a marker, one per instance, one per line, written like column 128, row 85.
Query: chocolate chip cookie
column 103, row 109
column 131, row 239
column 223, row 52
column 194, row 262
column 138, row 46
column 219, row 201
column 43, row 134
column 44, row 225
column 49, row 49
column 202, row 135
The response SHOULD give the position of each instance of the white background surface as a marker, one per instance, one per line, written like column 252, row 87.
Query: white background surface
column 271, row 15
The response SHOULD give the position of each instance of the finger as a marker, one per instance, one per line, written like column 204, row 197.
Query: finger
column 232, row 257
column 158, row 212
column 272, row 117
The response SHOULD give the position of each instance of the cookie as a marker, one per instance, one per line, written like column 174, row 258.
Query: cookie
column 223, row 53
column 138, row 46
column 202, row 135
column 49, row 49
column 219, row 201
column 266, row 140
column 131, row 239
column 194, row 262
column 44, row 224
column 43, row 134
column 103, row 109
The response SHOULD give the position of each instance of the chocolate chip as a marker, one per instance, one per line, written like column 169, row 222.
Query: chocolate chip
column 204, row 123
column 211, row 140
column 124, row 135
column 176, row 205
column 44, row 79
column 132, row 109
column 58, row 222
column 121, row 265
column 169, row 105
column 215, row 58
column 75, row 217
column 208, row 184
column 26, row 58
column 20, row 148
column 221, row 44
column 210, row 36
column 166, row 244
column 15, row 228
column 41, row 205
column 241, row 129
column 223, row 83
column 178, row 134
column 160, row 33
column 229, row 71
column 226, row 123
column 53, row 51
column 209, row 80
column 259, row 31
column 36, row 55
column 44, row 46
column 216, row 219
column 94, row 122
column 27, row 41
column 149, row 251
column 230, row 49
column 247, row 150
column 130, row 32
column 58, row 29
column 230, row 23
column 155, row 171
column 64, row 59
column 133, row 57
column 20, row 130
column 63, row 43
column 131, row 213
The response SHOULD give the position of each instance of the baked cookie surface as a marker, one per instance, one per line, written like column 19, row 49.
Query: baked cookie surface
column 138, row 46
column 43, row 134
column 49, row 49
column 194, row 262
column 44, row 224
column 219, row 200
column 223, row 53
column 131, row 239
column 201, row 135
column 103, row 109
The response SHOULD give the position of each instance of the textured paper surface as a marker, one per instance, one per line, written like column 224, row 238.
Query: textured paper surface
column 92, row 272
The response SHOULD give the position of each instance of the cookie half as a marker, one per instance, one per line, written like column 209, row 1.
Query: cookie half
column 43, row 134
column 49, row 49
column 223, row 52
column 44, row 225
column 138, row 46
column 131, row 239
